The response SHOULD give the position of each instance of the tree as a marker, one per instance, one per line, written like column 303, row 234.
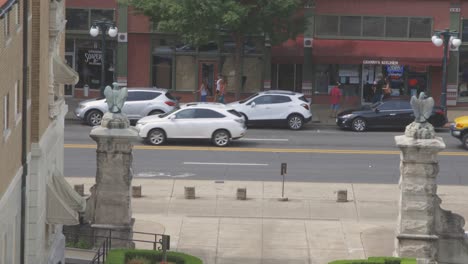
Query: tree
column 200, row 21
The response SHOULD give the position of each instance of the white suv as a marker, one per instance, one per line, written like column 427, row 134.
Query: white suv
column 214, row 121
column 140, row 103
column 275, row 106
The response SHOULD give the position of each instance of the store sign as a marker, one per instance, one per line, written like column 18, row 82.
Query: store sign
column 93, row 57
column 380, row 62
column 395, row 70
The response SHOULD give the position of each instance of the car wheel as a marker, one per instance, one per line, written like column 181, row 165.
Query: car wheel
column 295, row 122
column 94, row 118
column 221, row 138
column 156, row 112
column 465, row 141
column 245, row 118
column 359, row 124
column 156, row 137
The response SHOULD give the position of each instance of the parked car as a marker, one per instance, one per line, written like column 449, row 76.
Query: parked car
column 459, row 129
column 214, row 121
column 275, row 107
column 140, row 103
column 392, row 113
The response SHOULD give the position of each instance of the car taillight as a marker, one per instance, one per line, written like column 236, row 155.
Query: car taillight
column 306, row 106
column 170, row 103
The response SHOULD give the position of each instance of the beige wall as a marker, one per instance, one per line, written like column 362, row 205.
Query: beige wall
column 11, row 51
column 186, row 73
column 252, row 70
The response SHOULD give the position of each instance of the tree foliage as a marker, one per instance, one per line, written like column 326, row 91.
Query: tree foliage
column 200, row 21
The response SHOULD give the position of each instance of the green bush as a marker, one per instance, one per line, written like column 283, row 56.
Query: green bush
column 377, row 260
column 81, row 244
column 121, row 256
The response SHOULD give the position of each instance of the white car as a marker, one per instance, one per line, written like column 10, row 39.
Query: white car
column 275, row 107
column 214, row 121
column 140, row 102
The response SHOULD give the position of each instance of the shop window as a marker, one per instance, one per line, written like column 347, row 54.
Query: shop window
column 397, row 27
column 327, row 25
column 465, row 30
column 77, row 19
column 350, row 26
column 102, row 15
column 69, row 45
column 420, row 27
column 372, row 26
column 162, row 71
column 89, row 64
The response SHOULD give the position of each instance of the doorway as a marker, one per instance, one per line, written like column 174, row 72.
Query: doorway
column 70, row 59
column 208, row 71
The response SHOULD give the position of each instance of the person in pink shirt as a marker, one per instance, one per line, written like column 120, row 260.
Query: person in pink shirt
column 335, row 98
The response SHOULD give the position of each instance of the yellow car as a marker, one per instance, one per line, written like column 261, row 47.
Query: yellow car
column 459, row 130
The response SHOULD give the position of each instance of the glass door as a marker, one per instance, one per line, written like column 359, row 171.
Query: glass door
column 208, row 72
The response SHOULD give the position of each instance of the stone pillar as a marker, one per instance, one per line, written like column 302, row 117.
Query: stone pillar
column 110, row 201
column 416, row 227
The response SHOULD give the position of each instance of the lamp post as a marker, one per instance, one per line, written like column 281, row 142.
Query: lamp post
column 448, row 39
column 106, row 28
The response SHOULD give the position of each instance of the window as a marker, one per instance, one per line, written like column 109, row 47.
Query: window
column 373, row 26
column 420, row 27
column 278, row 99
column 17, row 99
column 141, row 96
column 162, row 71
column 350, row 26
column 264, row 99
column 327, row 25
column 77, row 19
column 5, row 113
column 187, row 113
column 234, row 112
column 207, row 113
column 102, row 14
column 387, row 106
column 397, row 27
column 6, row 21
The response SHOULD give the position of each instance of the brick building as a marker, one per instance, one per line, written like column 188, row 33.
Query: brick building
column 32, row 109
column 347, row 41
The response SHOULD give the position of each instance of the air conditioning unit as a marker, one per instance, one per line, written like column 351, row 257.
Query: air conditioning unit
column 308, row 42
column 122, row 37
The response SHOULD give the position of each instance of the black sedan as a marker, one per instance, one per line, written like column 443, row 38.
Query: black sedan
column 394, row 113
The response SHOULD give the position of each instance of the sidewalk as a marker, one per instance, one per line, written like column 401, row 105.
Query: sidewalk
column 309, row 228
column 320, row 113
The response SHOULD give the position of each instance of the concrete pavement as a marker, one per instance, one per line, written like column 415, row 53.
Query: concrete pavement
column 309, row 228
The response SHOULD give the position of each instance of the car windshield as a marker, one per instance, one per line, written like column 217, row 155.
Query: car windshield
column 248, row 98
column 170, row 112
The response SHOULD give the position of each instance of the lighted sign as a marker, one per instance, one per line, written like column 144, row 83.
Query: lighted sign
column 380, row 62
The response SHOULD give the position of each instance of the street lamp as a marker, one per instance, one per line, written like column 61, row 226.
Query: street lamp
column 106, row 28
column 448, row 39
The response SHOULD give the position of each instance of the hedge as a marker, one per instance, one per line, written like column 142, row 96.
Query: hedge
column 121, row 256
column 377, row 260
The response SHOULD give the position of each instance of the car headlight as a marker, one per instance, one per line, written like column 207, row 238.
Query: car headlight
column 347, row 116
column 141, row 123
column 81, row 106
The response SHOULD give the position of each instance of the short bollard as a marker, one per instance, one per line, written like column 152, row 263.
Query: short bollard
column 342, row 196
column 79, row 188
column 136, row 191
column 189, row 192
column 241, row 193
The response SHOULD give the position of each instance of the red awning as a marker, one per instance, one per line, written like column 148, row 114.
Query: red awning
column 358, row 51
column 289, row 52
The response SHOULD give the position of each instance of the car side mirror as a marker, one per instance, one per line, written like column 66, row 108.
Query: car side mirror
column 172, row 117
column 252, row 104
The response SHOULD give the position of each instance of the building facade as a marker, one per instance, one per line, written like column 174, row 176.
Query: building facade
column 32, row 211
column 351, row 42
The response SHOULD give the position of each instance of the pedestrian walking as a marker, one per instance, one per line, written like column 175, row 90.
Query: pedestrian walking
column 222, row 89
column 218, row 87
column 378, row 89
column 335, row 98
column 203, row 91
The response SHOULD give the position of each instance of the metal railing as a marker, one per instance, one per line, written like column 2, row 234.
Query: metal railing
column 160, row 242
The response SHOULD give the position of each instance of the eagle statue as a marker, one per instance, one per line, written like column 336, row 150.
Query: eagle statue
column 115, row 97
column 422, row 107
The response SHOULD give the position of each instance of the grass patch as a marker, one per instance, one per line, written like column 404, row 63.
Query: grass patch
column 141, row 256
column 377, row 260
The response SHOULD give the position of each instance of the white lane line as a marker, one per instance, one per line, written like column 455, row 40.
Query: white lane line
column 225, row 164
column 264, row 139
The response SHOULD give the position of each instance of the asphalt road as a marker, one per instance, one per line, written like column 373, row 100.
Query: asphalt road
column 319, row 154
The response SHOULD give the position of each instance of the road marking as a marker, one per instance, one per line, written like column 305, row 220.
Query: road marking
column 264, row 139
column 225, row 164
column 270, row 150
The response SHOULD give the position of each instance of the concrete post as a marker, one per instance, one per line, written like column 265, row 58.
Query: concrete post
column 416, row 227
